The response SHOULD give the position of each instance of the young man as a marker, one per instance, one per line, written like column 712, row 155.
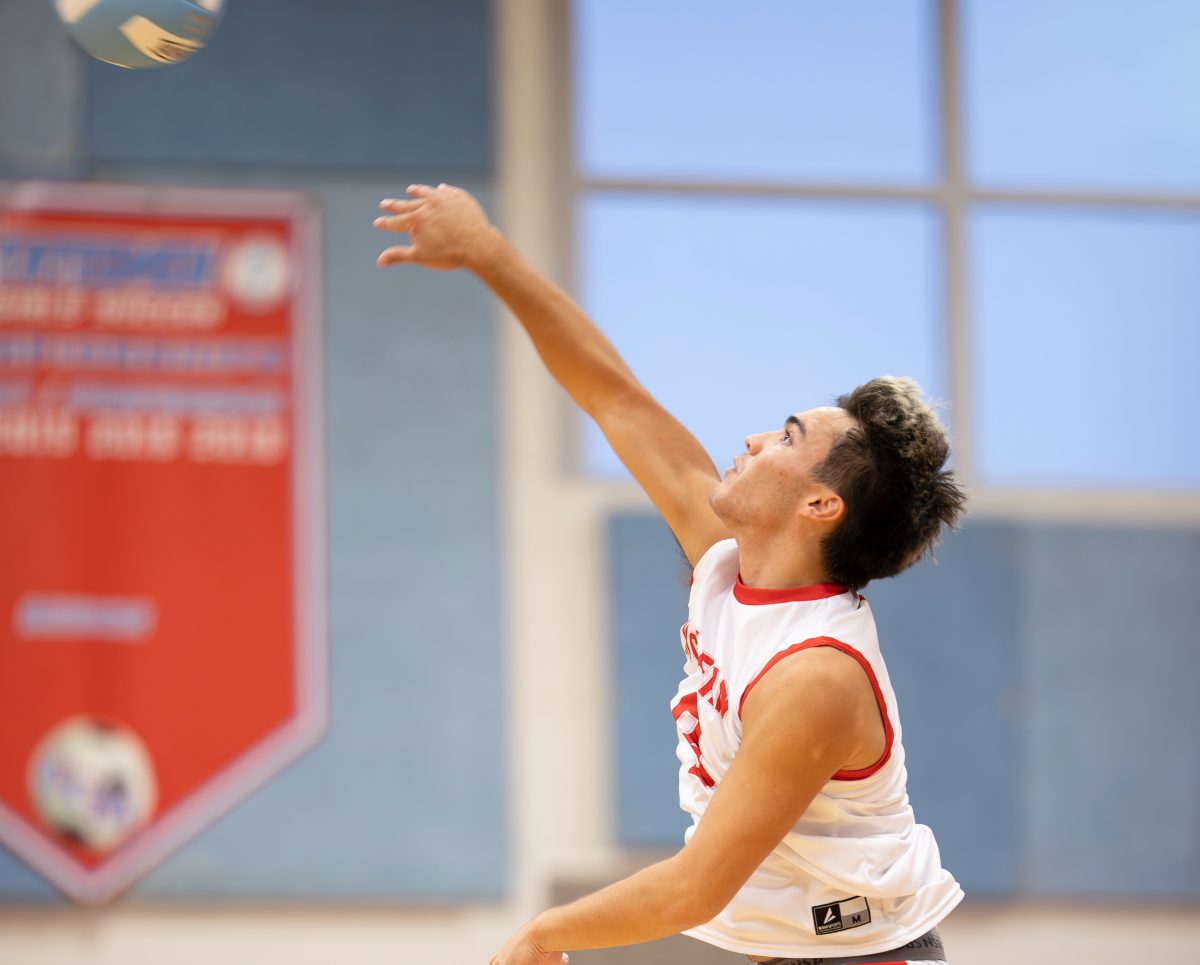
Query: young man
column 803, row 844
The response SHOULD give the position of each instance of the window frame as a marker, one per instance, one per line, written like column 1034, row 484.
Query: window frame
column 953, row 198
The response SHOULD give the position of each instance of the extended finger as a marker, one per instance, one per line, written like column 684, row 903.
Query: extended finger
column 399, row 222
column 398, row 206
column 420, row 190
column 396, row 255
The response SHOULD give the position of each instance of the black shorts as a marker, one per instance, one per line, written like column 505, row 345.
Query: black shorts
column 927, row 948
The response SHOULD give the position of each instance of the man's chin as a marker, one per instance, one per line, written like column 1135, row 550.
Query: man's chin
column 718, row 500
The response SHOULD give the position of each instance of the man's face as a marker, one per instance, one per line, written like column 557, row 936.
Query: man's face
column 772, row 482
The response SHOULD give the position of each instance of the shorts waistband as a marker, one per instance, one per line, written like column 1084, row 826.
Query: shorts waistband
column 927, row 948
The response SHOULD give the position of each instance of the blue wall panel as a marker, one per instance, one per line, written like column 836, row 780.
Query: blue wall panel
column 21, row 883
column 648, row 593
column 375, row 812
column 41, row 93
column 305, row 82
column 950, row 633
column 1112, row 801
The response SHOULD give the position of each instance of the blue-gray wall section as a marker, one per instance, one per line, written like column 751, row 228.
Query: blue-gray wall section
column 951, row 633
column 1045, row 677
column 647, row 658
column 309, row 83
column 42, row 97
column 1112, row 800
column 406, row 797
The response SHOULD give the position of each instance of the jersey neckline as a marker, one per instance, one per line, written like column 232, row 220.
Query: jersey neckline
column 761, row 596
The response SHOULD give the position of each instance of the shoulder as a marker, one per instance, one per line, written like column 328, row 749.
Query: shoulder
column 814, row 669
column 816, row 692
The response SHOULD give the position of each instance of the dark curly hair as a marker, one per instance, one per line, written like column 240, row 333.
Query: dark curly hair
column 889, row 471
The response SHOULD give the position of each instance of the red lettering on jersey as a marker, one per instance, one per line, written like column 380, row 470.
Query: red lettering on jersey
column 712, row 688
column 690, row 639
column 687, row 706
column 722, row 701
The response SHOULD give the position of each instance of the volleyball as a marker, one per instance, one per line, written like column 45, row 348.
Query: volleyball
column 92, row 781
column 140, row 33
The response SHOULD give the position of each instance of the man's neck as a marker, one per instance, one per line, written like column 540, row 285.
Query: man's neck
column 775, row 563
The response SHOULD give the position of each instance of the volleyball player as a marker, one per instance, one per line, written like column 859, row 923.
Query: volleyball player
column 803, row 844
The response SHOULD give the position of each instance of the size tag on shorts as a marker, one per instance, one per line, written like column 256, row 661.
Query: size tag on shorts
column 840, row 915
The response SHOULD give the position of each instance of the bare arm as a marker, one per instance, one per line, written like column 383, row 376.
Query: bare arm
column 449, row 230
column 810, row 715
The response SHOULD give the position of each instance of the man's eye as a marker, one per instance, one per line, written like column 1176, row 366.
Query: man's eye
column 787, row 436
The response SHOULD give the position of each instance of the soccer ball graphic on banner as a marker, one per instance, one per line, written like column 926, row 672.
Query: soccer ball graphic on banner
column 92, row 781
column 140, row 33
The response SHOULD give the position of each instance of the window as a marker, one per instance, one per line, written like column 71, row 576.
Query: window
column 738, row 311
column 1086, row 335
column 764, row 91
column 1030, row 257
column 1082, row 94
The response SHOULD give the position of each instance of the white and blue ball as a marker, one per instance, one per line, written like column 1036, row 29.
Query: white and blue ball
column 92, row 781
column 141, row 33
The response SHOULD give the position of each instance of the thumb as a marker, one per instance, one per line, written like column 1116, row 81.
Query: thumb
column 396, row 255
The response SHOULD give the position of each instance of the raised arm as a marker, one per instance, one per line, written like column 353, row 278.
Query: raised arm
column 448, row 229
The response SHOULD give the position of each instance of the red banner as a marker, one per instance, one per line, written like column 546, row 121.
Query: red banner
column 162, row 630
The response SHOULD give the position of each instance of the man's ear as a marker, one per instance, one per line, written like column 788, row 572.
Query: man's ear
column 824, row 506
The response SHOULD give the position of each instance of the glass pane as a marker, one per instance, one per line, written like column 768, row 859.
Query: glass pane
column 736, row 312
column 1086, row 338
column 770, row 90
column 1082, row 93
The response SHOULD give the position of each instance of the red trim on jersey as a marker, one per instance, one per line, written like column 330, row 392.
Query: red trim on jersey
column 688, row 704
column 759, row 596
column 888, row 732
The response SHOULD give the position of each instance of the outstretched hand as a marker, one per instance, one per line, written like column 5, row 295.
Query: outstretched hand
column 523, row 950
column 447, row 227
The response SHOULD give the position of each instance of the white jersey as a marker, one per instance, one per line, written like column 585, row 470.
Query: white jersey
column 857, row 874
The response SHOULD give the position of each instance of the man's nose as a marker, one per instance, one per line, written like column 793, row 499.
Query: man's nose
column 753, row 443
